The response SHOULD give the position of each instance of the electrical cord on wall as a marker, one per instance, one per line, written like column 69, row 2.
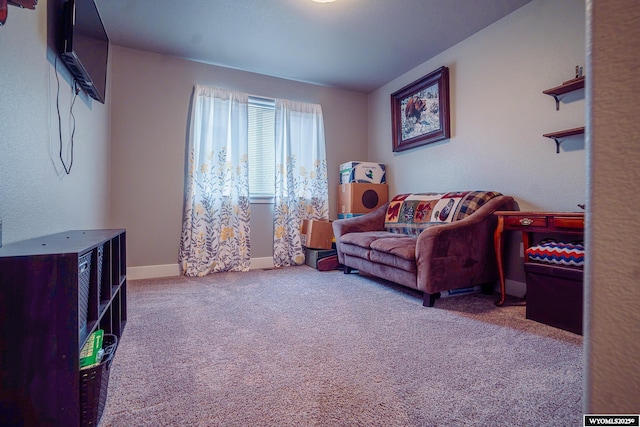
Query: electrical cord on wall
column 76, row 89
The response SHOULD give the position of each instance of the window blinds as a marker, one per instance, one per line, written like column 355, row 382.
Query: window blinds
column 261, row 147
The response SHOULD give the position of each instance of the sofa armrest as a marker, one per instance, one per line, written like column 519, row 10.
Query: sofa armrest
column 461, row 251
column 372, row 221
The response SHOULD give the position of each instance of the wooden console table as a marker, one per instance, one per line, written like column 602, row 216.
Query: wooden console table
column 532, row 222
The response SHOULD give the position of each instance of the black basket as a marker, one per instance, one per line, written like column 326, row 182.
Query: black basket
column 84, row 276
column 94, row 383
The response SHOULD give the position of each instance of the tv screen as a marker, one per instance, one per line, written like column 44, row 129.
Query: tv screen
column 86, row 47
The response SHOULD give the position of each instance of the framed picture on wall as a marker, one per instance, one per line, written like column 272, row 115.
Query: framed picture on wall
column 420, row 111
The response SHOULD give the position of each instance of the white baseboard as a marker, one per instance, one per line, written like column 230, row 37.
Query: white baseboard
column 261, row 263
column 168, row 270
column 512, row 287
column 152, row 271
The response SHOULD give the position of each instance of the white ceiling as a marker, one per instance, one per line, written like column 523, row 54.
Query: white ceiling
column 351, row 44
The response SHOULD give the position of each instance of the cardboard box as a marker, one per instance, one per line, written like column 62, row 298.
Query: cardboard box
column 362, row 172
column 358, row 198
column 316, row 234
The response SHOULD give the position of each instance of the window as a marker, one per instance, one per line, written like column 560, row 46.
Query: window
column 262, row 164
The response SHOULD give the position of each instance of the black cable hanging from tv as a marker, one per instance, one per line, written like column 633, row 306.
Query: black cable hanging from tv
column 76, row 90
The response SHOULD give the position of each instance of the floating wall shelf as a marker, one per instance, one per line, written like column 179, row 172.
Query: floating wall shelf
column 558, row 136
column 566, row 87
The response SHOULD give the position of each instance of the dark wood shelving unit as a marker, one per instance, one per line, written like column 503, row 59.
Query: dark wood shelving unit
column 556, row 92
column 42, row 320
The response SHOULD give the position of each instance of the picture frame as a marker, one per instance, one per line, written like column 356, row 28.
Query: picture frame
column 420, row 111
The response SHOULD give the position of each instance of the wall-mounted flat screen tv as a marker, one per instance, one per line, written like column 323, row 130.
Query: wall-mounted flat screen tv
column 86, row 47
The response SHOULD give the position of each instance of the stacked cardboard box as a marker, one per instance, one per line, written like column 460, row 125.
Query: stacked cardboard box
column 317, row 239
column 363, row 172
column 362, row 188
column 316, row 234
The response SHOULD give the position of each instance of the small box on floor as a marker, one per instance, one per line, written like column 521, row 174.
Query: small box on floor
column 312, row 256
column 554, row 296
column 316, row 234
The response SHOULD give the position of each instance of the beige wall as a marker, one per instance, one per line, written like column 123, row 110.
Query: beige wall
column 498, row 117
column 151, row 95
column 499, row 113
column 36, row 196
column 612, row 336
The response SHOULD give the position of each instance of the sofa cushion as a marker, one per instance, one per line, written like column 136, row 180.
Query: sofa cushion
column 385, row 258
column 403, row 247
column 364, row 238
column 381, row 247
column 356, row 251
column 410, row 214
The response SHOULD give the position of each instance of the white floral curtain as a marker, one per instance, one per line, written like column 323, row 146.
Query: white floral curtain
column 302, row 190
column 215, row 228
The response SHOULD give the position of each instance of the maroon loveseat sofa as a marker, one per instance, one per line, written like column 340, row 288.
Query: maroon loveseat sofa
column 432, row 242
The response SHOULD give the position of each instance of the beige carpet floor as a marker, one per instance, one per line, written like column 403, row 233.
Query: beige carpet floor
column 298, row 347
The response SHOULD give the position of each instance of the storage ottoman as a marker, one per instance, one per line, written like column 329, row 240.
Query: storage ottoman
column 555, row 296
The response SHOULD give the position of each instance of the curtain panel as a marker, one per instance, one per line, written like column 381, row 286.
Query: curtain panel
column 302, row 190
column 215, row 228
